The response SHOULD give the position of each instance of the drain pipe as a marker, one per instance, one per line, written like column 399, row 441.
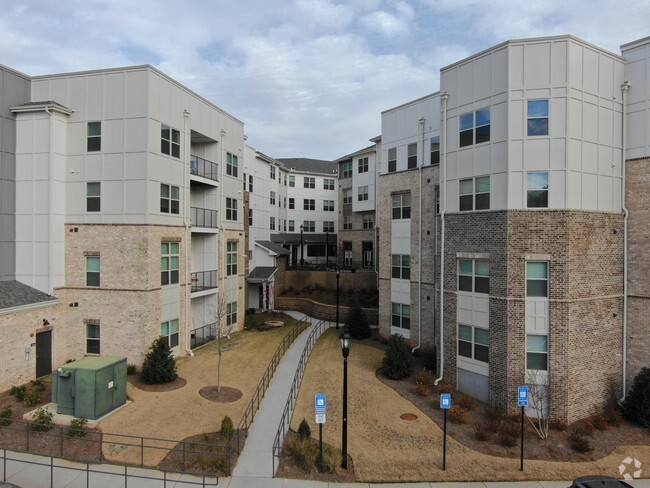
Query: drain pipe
column 625, row 86
column 421, row 125
column 444, row 97
column 188, row 231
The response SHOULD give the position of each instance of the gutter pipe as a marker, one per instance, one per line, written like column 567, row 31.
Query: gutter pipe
column 625, row 86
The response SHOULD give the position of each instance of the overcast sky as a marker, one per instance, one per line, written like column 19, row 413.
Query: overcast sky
column 309, row 78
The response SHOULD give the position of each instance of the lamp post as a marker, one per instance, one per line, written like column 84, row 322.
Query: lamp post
column 345, row 349
column 302, row 248
column 338, row 275
column 327, row 249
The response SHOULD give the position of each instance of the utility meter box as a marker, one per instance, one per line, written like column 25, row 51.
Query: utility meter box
column 90, row 387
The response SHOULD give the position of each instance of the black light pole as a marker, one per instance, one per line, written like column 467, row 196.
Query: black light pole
column 302, row 249
column 327, row 249
column 345, row 349
column 338, row 275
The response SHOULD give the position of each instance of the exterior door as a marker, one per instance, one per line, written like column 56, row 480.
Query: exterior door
column 294, row 255
column 43, row 353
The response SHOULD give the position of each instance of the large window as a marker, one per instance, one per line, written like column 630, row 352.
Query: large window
column 292, row 180
column 92, row 270
column 435, row 150
column 231, row 258
column 93, row 196
column 292, row 225
column 94, row 137
column 474, row 343
column 309, row 226
column 170, row 141
column 412, row 156
column 231, row 314
column 363, row 193
column 250, row 183
column 537, row 352
column 537, row 117
column 272, row 223
column 250, row 216
column 401, row 206
column 392, row 160
column 272, row 172
column 368, row 221
column 309, row 204
column 272, row 198
column 475, row 127
column 401, row 316
column 169, row 261
column 328, row 226
column 347, row 196
column 401, row 268
column 328, row 184
column 474, row 194
column 169, row 330
column 328, row 205
column 309, row 182
column 232, row 165
column 363, row 165
column 537, row 196
column 292, row 203
column 474, row 275
column 231, row 208
column 92, row 339
column 346, row 170
column 347, row 222
column 537, row 279
column 169, row 199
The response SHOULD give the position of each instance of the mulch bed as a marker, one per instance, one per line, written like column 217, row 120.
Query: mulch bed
column 136, row 380
column 226, row 395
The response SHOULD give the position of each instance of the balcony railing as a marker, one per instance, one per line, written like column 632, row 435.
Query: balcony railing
column 203, row 167
column 204, row 280
column 203, row 335
column 203, row 217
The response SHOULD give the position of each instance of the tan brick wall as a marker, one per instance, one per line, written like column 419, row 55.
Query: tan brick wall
column 299, row 279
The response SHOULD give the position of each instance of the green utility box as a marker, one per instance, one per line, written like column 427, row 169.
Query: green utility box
column 90, row 387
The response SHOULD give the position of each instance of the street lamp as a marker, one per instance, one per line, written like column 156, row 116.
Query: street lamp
column 345, row 349
column 327, row 249
column 302, row 248
column 338, row 275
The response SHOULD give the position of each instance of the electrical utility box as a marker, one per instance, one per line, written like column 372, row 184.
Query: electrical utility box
column 90, row 387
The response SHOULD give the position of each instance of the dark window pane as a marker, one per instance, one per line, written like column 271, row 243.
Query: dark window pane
column 465, row 349
column 464, row 283
column 482, row 134
column 536, row 288
column 406, row 323
column 412, row 162
column 536, row 360
column 164, row 146
column 466, row 138
column 537, row 198
column 92, row 346
column 392, row 166
column 481, row 285
column 176, row 150
column 164, row 278
column 406, row 273
column 481, row 353
column 92, row 204
column 397, row 213
column 173, row 340
column 164, row 205
column 435, row 157
column 406, row 212
column 174, row 206
column 483, row 201
column 396, row 272
column 94, row 144
column 174, row 276
column 92, row 279
column 466, row 202
column 538, row 127
column 395, row 320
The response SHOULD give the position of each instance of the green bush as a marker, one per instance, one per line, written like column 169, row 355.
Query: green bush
column 636, row 406
column 304, row 432
column 131, row 369
column 78, row 427
column 38, row 385
column 397, row 363
column 19, row 392
column 159, row 365
column 227, row 430
column 5, row 416
column 33, row 397
column 357, row 323
column 42, row 420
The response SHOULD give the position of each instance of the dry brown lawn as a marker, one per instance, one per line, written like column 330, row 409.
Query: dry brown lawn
column 387, row 448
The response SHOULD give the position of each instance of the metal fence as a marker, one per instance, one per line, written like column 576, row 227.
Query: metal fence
column 203, row 335
column 204, row 280
column 285, row 422
column 203, row 167
column 203, row 217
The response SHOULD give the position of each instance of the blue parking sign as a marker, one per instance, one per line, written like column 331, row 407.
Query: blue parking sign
column 445, row 400
column 522, row 396
column 321, row 402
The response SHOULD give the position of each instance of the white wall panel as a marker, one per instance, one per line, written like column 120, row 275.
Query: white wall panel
column 537, row 64
column 557, row 189
column 558, row 154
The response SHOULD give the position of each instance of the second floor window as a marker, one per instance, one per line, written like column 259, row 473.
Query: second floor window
column 392, row 160
column 272, row 197
column 94, row 141
column 347, row 196
column 363, row 165
column 292, row 226
column 537, row 117
column 292, row 203
column 309, row 182
column 92, row 270
column 368, row 221
column 169, row 199
column 401, row 266
column 328, row 184
column 401, row 206
column 232, row 165
column 231, row 208
column 169, row 261
column 474, row 194
column 328, row 226
column 537, row 195
column 309, row 226
column 272, row 223
column 93, row 196
column 231, row 258
column 347, row 222
column 309, row 204
column 435, row 150
column 346, row 170
column 474, row 275
column 292, row 181
column 474, row 127
column 328, row 205
column 412, row 156
column 363, row 193
column 170, row 141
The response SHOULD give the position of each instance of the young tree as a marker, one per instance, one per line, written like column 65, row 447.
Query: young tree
column 159, row 365
column 538, row 404
column 397, row 363
column 219, row 314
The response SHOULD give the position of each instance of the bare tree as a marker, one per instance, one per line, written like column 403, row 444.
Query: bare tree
column 219, row 314
column 538, row 411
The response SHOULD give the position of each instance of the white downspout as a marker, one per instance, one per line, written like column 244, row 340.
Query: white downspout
column 421, row 125
column 444, row 97
column 188, row 231
column 51, row 206
column 625, row 86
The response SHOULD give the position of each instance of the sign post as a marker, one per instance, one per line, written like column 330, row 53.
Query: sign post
column 522, row 401
column 321, row 406
column 445, row 404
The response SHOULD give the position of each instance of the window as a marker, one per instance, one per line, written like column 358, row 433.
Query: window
column 231, row 258
column 346, row 170
column 292, row 226
column 363, row 193
column 537, row 279
column 328, row 205
column 328, row 184
column 309, row 182
column 437, row 197
column 537, row 190
column 474, row 275
column 170, row 141
column 475, row 194
column 250, row 183
column 392, row 160
column 475, row 127
column 169, row 330
column 292, row 203
column 231, row 314
column 412, row 156
column 309, row 204
column 94, row 133
column 272, row 223
column 92, row 270
column 316, row 250
column 347, row 196
column 328, row 226
column 285, row 202
column 537, row 117
column 272, row 197
column 368, row 221
column 232, row 165
column 272, row 172
column 245, row 180
column 250, row 216
column 435, row 150
column 402, row 206
column 401, row 316
column 347, row 222
column 537, row 352
column 285, row 226
column 169, row 261
column 401, row 266
column 93, row 197
column 363, row 165
column 292, row 180
column 169, row 199
column 474, row 343
column 309, row 226
column 92, row 339
column 231, row 208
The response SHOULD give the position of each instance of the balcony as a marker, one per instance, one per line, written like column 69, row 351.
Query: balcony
column 203, row 335
column 204, row 168
column 204, row 280
column 203, row 217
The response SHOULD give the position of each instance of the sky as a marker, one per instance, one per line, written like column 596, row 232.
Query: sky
column 309, row 78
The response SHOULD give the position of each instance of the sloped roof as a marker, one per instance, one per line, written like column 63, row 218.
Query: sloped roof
column 261, row 273
column 306, row 165
column 356, row 153
column 16, row 294
column 273, row 247
column 308, row 238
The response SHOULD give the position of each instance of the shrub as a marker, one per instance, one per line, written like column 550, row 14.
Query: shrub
column 227, row 430
column 614, row 416
column 458, row 414
column 42, row 420
column 636, row 406
column 580, row 442
column 482, row 432
column 332, row 458
column 304, row 432
column 429, row 358
column 445, row 388
column 19, row 392
column 586, row 427
column 159, row 365
column 38, row 385
column 508, row 434
column 131, row 369
column 421, row 389
column 599, row 421
column 302, row 452
column 5, row 416
column 467, row 402
column 425, row 377
column 33, row 397
column 397, row 363
column 78, row 427
column 357, row 323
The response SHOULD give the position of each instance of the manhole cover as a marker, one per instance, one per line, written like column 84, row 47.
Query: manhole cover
column 408, row 416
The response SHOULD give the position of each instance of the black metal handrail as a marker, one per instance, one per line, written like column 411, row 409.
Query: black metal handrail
column 203, row 167
column 285, row 421
column 204, row 280
column 203, row 335
column 203, row 217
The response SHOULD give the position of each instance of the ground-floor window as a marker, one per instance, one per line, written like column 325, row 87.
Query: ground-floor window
column 474, row 343
column 231, row 313
column 169, row 330
column 537, row 352
column 401, row 316
column 92, row 339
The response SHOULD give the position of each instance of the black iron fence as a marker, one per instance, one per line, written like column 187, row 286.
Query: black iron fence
column 204, row 280
column 203, row 335
column 203, row 167
column 203, row 217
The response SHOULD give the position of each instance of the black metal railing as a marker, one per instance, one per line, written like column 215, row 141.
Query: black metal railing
column 203, row 217
column 203, row 167
column 285, row 422
column 204, row 280
column 203, row 335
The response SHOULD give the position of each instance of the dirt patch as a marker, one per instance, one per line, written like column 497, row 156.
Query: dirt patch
column 136, row 380
column 226, row 395
column 408, row 416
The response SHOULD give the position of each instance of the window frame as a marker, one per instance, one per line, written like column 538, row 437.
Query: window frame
column 94, row 338
column 362, row 165
column 170, row 202
column 169, row 254
column 292, row 225
column 328, row 205
column 362, row 193
column 309, row 204
column 479, row 200
column 537, row 353
column 412, row 156
column 328, row 184
column 347, row 196
column 309, row 182
column 292, row 203
column 272, row 198
column 309, row 226
column 346, row 170
column 477, row 349
column 170, row 145
column 536, row 279
column 401, row 211
column 231, row 209
column 93, row 276
column 272, row 172
column 231, row 314
column 232, row 258
column 536, row 117
column 232, row 165
column 328, row 226
column 435, row 151
column 93, row 200
column 399, row 319
column 475, row 278
column 392, row 160
column 271, row 223
column 474, row 127
column 400, row 266
column 173, row 337
column 93, row 138
column 368, row 221
column 292, row 181
column 347, row 222
column 537, row 197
